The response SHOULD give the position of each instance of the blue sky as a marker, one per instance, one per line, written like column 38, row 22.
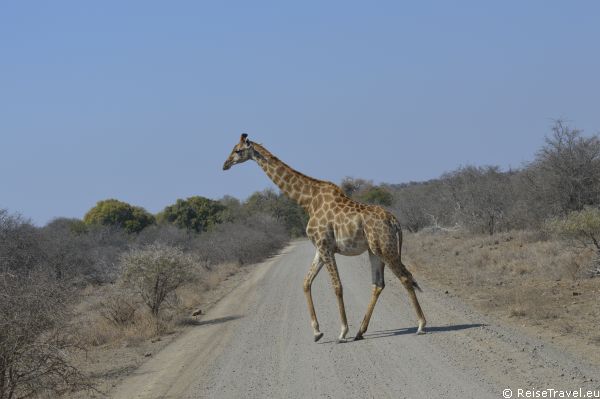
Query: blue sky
column 143, row 101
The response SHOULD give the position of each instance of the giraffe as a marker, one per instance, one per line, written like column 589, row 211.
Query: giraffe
column 337, row 224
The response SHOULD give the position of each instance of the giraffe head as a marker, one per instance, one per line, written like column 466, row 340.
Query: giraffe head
column 241, row 152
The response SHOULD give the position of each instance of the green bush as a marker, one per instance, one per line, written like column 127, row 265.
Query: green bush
column 112, row 212
column 580, row 225
column 194, row 213
column 377, row 195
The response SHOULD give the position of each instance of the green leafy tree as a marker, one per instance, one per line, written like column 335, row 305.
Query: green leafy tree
column 194, row 213
column 112, row 212
column 377, row 195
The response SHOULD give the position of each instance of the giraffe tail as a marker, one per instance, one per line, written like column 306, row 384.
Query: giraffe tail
column 415, row 285
column 405, row 274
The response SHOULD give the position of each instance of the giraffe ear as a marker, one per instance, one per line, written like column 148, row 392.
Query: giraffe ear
column 244, row 137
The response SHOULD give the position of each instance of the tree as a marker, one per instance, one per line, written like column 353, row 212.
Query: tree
column 412, row 207
column 481, row 197
column 355, row 186
column 112, row 212
column 87, row 253
column 155, row 272
column 67, row 225
column 20, row 244
column 280, row 207
column 233, row 208
column 194, row 213
column 365, row 191
column 33, row 313
column 376, row 195
column 565, row 175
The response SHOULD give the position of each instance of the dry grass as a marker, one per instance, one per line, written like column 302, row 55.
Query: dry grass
column 95, row 329
column 219, row 274
column 118, row 345
column 520, row 276
column 112, row 316
column 101, row 331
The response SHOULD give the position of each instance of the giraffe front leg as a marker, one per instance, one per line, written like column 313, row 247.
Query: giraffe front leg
column 337, row 287
column 316, row 266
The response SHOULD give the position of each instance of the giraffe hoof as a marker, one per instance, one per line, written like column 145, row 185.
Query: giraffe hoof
column 421, row 331
column 318, row 336
column 358, row 337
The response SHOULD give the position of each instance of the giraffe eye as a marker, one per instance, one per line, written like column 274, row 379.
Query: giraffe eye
column 238, row 151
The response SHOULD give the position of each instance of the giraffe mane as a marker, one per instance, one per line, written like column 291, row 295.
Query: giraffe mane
column 268, row 155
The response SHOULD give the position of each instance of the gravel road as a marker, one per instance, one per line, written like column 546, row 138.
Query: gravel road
column 257, row 343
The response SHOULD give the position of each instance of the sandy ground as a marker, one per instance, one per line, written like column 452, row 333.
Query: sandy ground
column 257, row 342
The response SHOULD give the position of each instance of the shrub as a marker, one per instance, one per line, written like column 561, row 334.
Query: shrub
column 87, row 255
column 233, row 209
column 353, row 186
column 194, row 213
column 377, row 195
column 583, row 226
column 166, row 234
column 414, row 207
column 285, row 211
column 259, row 236
column 112, row 212
column 33, row 313
column 481, row 196
column 62, row 225
column 119, row 309
column 155, row 272
column 33, row 343
column 565, row 175
column 20, row 244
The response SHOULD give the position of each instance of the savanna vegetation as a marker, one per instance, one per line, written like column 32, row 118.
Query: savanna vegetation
column 520, row 241
column 522, row 244
column 118, row 277
column 562, row 181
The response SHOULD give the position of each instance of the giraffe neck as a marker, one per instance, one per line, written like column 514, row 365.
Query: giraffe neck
column 294, row 184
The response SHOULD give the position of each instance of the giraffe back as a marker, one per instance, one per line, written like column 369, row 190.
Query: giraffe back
column 349, row 227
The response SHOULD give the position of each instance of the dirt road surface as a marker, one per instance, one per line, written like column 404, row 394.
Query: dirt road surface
column 257, row 343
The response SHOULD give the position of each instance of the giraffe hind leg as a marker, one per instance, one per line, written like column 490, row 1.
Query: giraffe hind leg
column 410, row 284
column 377, row 267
